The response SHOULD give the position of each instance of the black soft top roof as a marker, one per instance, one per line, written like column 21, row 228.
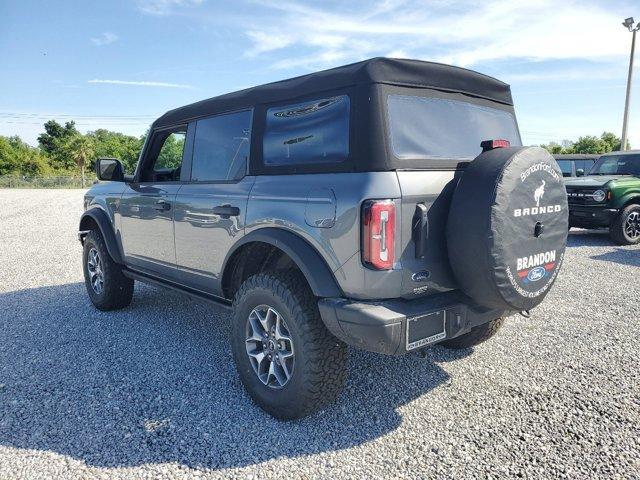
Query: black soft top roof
column 408, row 73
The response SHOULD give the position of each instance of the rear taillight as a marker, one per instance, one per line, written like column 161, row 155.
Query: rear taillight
column 378, row 233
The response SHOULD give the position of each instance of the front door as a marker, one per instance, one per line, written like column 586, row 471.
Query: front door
column 211, row 207
column 147, row 206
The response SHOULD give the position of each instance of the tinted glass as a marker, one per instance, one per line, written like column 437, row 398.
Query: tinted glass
column 617, row 165
column 565, row 166
column 309, row 132
column 586, row 165
column 170, row 156
column 428, row 127
column 221, row 147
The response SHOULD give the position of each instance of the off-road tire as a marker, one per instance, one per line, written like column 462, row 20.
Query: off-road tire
column 320, row 362
column 117, row 291
column 476, row 336
column 617, row 228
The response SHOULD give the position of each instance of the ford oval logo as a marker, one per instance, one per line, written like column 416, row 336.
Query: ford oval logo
column 536, row 274
column 421, row 276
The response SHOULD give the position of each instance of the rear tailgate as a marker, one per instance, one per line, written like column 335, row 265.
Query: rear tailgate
column 425, row 194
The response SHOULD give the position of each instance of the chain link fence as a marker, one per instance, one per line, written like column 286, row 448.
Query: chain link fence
column 20, row 181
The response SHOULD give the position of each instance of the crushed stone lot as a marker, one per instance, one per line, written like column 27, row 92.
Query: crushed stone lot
column 151, row 391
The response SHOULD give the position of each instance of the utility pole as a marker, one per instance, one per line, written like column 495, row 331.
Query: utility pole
column 628, row 24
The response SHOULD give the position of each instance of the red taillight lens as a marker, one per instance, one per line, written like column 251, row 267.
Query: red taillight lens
column 378, row 233
column 491, row 144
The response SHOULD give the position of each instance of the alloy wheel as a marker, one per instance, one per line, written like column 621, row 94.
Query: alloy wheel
column 632, row 225
column 94, row 267
column 269, row 346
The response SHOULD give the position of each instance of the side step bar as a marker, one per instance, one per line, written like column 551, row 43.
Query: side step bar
column 195, row 294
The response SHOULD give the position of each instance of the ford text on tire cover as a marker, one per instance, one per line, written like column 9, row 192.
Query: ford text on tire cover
column 388, row 205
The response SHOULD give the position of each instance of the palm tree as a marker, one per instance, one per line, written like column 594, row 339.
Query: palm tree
column 81, row 149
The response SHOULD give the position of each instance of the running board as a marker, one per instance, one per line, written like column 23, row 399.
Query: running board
column 195, row 294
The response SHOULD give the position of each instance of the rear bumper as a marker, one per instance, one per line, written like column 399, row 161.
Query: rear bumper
column 591, row 217
column 382, row 326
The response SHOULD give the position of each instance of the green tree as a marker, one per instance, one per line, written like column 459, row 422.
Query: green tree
column 18, row 158
column 612, row 141
column 607, row 142
column 53, row 143
column 554, row 148
column 81, row 149
column 590, row 144
column 117, row 145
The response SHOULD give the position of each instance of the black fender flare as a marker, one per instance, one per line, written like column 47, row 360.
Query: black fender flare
column 303, row 254
column 106, row 229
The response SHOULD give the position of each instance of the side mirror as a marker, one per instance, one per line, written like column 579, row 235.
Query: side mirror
column 110, row 170
column 580, row 172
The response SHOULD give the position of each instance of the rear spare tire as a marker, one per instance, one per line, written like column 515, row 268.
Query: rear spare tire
column 507, row 227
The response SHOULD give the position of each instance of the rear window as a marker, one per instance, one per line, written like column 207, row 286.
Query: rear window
column 436, row 128
column 311, row 132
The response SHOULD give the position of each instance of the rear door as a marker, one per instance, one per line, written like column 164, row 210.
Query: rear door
column 210, row 208
column 147, row 205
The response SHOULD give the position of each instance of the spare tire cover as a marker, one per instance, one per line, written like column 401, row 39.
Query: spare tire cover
column 507, row 227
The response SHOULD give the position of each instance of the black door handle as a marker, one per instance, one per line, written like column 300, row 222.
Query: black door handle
column 162, row 205
column 226, row 211
column 420, row 227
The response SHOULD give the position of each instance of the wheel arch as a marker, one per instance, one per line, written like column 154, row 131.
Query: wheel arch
column 631, row 200
column 301, row 253
column 97, row 218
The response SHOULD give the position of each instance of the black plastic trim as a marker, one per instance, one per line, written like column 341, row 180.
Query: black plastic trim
column 305, row 256
column 195, row 294
column 381, row 326
column 102, row 220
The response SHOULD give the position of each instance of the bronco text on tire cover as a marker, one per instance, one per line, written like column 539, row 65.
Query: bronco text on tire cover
column 507, row 227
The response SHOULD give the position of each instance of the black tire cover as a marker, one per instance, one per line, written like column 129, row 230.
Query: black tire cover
column 507, row 227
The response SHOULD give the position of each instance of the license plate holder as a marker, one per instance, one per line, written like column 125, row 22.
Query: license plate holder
column 426, row 329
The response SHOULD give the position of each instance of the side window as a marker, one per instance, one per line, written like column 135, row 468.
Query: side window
column 166, row 156
column 565, row 166
column 221, row 147
column 311, row 132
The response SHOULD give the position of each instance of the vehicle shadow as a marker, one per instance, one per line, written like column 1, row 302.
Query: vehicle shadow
column 589, row 238
column 156, row 383
column 620, row 255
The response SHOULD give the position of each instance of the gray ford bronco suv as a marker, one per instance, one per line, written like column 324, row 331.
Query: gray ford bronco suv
column 388, row 205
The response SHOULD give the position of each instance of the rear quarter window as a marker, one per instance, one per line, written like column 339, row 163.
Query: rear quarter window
column 310, row 132
column 565, row 166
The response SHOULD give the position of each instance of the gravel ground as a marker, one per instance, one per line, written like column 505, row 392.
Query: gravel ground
column 151, row 391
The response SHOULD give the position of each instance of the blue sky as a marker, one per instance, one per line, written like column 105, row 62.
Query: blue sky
column 120, row 64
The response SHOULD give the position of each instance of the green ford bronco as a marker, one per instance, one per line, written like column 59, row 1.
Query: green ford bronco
column 608, row 197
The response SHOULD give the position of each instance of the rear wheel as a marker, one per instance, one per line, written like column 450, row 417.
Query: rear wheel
column 289, row 363
column 476, row 336
column 625, row 229
column 106, row 285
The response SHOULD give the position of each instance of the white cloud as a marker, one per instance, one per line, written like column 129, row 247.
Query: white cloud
column 104, row 39
column 264, row 42
column 166, row 7
column 140, row 83
column 460, row 32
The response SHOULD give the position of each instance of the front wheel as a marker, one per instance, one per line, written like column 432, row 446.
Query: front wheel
column 625, row 229
column 477, row 335
column 289, row 363
column 106, row 285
